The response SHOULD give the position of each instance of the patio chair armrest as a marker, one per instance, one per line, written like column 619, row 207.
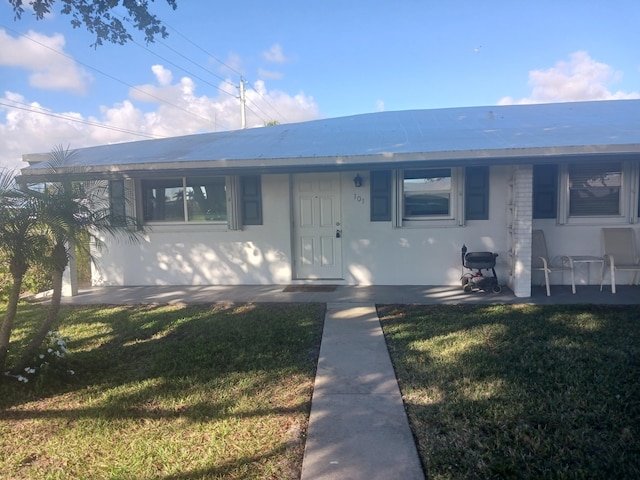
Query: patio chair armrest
column 566, row 259
column 609, row 260
column 545, row 264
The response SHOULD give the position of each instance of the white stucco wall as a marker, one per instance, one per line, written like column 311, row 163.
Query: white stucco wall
column 207, row 255
column 376, row 253
column 373, row 252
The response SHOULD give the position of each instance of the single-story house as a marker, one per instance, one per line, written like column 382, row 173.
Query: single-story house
column 385, row 198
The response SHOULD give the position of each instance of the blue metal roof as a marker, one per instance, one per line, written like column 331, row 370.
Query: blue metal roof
column 453, row 134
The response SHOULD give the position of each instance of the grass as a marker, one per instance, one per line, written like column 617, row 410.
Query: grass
column 166, row 392
column 520, row 391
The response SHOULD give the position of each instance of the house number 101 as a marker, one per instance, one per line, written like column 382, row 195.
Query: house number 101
column 358, row 198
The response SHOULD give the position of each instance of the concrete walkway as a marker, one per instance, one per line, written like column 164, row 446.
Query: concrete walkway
column 358, row 427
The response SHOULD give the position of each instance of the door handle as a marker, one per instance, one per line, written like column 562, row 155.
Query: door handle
column 338, row 233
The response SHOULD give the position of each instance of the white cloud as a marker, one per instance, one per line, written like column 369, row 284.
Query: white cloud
column 579, row 79
column 275, row 54
column 25, row 132
column 163, row 75
column 187, row 112
column 49, row 71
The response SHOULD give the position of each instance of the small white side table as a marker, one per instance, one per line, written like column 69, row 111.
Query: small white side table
column 588, row 259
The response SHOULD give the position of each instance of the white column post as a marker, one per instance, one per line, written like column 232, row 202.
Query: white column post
column 521, row 229
column 70, row 276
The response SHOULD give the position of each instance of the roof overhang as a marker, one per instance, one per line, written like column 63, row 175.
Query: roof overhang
column 593, row 153
column 585, row 131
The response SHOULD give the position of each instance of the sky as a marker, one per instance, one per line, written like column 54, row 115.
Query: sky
column 303, row 61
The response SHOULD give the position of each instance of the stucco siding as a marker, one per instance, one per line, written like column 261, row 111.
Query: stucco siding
column 377, row 253
column 372, row 252
column 183, row 254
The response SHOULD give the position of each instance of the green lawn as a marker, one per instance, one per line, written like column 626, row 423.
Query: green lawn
column 520, row 391
column 166, row 392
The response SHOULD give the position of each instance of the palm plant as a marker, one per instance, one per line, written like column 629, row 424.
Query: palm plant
column 71, row 211
column 21, row 244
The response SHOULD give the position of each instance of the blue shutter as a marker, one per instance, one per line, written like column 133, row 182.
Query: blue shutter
column 251, row 200
column 476, row 195
column 117, row 203
column 380, row 191
column 545, row 191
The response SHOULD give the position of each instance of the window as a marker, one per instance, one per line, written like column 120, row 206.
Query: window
column 232, row 201
column 185, row 200
column 428, row 196
column 595, row 190
column 598, row 193
column 426, row 193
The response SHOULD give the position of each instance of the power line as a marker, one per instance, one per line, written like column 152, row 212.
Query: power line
column 211, row 73
column 203, row 50
column 184, row 69
column 108, row 75
column 266, row 101
column 162, row 100
column 42, row 111
column 196, row 64
column 223, row 64
column 188, row 72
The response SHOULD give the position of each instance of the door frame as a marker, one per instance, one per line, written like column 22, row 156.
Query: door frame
column 337, row 272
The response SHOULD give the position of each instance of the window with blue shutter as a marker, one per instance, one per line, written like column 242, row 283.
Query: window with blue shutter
column 117, row 203
column 251, row 200
column 545, row 191
column 380, row 192
column 476, row 195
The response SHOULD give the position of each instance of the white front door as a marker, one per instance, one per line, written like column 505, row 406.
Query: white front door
column 317, row 228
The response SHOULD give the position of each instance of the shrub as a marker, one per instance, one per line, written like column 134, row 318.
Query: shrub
column 36, row 280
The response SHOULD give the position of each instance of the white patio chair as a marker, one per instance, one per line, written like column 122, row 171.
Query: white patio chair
column 619, row 253
column 540, row 261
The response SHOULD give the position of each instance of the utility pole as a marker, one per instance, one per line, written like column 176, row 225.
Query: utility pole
column 243, row 101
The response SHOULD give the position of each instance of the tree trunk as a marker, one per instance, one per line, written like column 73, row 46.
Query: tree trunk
column 9, row 318
column 52, row 315
column 60, row 262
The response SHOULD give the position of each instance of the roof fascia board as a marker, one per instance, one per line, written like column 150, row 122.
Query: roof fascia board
column 394, row 160
column 43, row 176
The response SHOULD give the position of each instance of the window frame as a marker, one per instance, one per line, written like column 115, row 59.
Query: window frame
column 627, row 198
column 184, row 185
column 456, row 201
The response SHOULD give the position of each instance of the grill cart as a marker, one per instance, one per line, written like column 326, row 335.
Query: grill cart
column 474, row 280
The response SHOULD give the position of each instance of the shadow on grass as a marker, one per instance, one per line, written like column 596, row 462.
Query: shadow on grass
column 195, row 364
column 520, row 391
column 180, row 346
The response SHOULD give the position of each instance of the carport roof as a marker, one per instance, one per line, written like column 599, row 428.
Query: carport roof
column 471, row 135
